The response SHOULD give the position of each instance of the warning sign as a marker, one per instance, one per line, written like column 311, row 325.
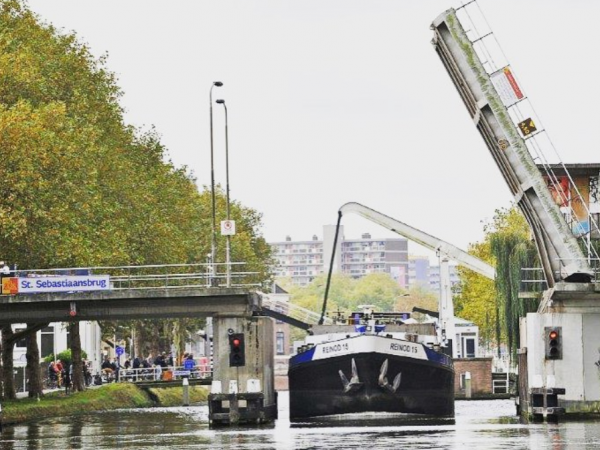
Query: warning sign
column 527, row 127
column 506, row 86
column 227, row 227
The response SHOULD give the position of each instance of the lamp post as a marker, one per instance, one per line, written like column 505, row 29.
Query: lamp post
column 228, row 248
column 213, row 246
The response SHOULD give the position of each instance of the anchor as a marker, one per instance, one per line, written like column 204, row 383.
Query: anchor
column 354, row 384
column 383, row 381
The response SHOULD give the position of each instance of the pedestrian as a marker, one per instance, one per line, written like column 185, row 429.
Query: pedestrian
column 52, row 375
column 107, row 369
column 136, row 366
column 59, row 371
column 87, row 376
column 189, row 363
column 115, row 367
column 66, row 378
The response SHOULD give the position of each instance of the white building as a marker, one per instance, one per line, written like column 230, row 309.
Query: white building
column 55, row 338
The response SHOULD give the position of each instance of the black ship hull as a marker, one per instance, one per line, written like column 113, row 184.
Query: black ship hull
column 376, row 381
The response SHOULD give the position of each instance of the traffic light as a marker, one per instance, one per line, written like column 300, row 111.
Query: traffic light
column 237, row 351
column 553, row 339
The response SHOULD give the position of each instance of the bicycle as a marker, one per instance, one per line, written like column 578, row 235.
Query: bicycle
column 50, row 383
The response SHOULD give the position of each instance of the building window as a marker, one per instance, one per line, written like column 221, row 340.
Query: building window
column 21, row 343
column 280, row 343
column 469, row 348
column 47, row 341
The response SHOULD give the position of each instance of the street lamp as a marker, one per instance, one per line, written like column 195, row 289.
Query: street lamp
column 213, row 247
column 228, row 248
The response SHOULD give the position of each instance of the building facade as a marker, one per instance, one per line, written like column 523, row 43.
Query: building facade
column 582, row 212
column 434, row 276
column 418, row 271
column 54, row 339
column 302, row 261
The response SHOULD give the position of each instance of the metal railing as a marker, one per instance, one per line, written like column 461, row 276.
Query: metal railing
column 294, row 311
column 159, row 374
column 533, row 279
column 157, row 276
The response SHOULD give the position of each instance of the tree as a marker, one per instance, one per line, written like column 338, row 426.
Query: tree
column 347, row 293
column 82, row 188
column 8, row 383
column 377, row 289
column 475, row 297
column 513, row 249
column 494, row 305
column 76, row 365
column 33, row 371
column 418, row 296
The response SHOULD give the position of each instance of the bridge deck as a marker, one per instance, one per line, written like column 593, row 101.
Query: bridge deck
column 128, row 304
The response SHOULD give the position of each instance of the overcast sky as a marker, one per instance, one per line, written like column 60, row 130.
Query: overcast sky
column 338, row 101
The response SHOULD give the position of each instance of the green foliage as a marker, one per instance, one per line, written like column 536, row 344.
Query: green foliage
column 494, row 305
column 513, row 250
column 104, row 398
column 347, row 293
column 475, row 297
column 65, row 357
column 418, row 296
column 82, row 188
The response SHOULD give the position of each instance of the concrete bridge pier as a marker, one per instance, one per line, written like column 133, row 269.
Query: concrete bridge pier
column 243, row 388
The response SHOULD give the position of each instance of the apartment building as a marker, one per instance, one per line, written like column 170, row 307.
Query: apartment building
column 302, row 261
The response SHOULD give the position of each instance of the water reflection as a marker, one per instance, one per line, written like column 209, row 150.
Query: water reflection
column 487, row 424
column 373, row 420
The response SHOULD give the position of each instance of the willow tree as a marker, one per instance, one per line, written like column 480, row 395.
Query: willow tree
column 513, row 250
column 495, row 306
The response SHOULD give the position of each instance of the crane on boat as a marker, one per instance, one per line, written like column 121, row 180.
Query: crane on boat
column 444, row 250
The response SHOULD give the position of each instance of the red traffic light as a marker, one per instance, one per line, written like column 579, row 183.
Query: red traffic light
column 553, row 334
column 236, row 342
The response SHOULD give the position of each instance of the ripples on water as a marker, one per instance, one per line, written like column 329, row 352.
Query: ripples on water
column 478, row 425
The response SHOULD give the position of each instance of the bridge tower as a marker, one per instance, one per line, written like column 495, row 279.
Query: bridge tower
column 518, row 144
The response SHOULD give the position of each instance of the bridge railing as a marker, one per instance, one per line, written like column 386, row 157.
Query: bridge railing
column 533, row 281
column 160, row 374
column 294, row 311
column 159, row 275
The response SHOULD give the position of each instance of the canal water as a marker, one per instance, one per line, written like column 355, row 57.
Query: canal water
column 489, row 424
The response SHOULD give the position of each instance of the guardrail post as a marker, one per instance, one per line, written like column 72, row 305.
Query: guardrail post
column 468, row 385
column 186, row 392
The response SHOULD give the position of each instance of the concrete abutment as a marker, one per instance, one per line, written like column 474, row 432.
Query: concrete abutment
column 244, row 393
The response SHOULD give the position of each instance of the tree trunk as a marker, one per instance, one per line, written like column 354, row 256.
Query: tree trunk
column 77, row 373
column 142, row 337
column 155, row 339
column 33, row 372
column 7, row 363
column 1, row 370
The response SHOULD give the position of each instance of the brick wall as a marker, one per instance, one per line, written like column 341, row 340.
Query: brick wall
column 481, row 374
